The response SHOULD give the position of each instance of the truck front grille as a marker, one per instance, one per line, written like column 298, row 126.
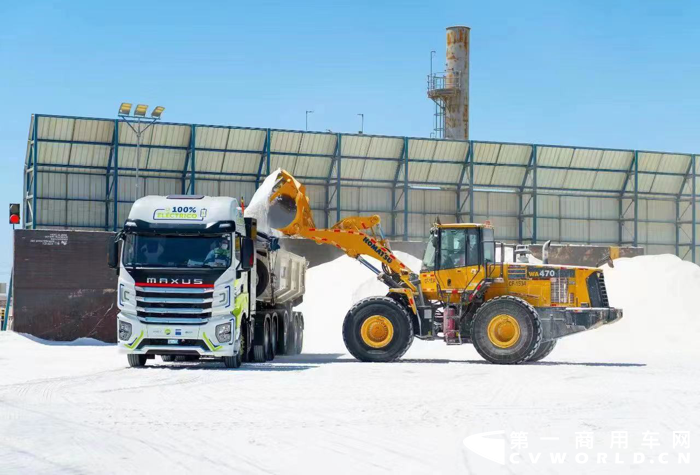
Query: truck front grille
column 169, row 303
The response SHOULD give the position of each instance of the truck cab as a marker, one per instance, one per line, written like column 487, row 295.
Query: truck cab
column 187, row 280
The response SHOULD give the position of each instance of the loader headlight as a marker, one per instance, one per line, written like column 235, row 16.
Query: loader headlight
column 124, row 330
column 223, row 332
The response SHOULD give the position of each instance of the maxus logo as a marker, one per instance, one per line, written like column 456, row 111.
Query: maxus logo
column 177, row 213
column 166, row 280
column 377, row 249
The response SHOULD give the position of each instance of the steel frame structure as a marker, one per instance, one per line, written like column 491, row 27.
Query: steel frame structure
column 458, row 174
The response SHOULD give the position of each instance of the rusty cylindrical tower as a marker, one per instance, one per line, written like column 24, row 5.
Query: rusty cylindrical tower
column 457, row 75
column 451, row 90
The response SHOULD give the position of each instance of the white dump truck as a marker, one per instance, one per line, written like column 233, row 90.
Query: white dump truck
column 196, row 279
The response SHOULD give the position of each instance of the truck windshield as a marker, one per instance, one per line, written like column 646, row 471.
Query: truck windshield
column 177, row 251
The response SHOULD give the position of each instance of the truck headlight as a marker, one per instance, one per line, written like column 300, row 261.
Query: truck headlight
column 124, row 330
column 223, row 332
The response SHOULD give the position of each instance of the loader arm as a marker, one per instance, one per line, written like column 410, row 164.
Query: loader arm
column 357, row 236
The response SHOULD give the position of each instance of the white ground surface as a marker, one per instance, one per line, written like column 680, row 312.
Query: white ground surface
column 79, row 409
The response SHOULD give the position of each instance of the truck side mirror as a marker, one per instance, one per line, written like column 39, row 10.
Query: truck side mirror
column 247, row 254
column 113, row 259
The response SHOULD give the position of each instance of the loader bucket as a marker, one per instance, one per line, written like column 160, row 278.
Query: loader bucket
column 290, row 210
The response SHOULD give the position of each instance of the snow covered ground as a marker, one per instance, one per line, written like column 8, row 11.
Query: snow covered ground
column 79, row 409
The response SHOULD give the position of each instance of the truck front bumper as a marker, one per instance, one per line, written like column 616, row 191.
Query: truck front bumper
column 558, row 322
column 177, row 339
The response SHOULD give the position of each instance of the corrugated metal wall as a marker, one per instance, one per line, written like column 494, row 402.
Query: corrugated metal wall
column 531, row 193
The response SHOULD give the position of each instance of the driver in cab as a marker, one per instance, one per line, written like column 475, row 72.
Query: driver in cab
column 220, row 254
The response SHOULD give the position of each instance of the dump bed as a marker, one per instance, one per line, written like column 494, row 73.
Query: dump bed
column 281, row 277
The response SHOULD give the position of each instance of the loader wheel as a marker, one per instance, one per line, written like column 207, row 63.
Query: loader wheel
column 136, row 361
column 543, row 351
column 377, row 329
column 506, row 330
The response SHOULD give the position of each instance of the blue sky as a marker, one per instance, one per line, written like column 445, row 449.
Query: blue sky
column 620, row 74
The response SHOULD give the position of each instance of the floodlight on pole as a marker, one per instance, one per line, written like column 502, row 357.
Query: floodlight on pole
column 157, row 112
column 139, row 117
column 362, row 124
column 141, row 110
column 125, row 108
column 307, row 118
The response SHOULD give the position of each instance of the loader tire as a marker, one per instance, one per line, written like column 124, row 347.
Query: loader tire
column 543, row 351
column 377, row 329
column 136, row 361
column 506, row 330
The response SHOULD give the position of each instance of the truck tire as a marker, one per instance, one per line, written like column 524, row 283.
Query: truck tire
column 377, row 329
column 298, row 333
column 246, row 341
column 273, row 336
column 506, row 330
column 167, row 358
column 262, row 342
column 261, row 338
column 236, row 360
column 283, row 334
column 543, row 351
column 136, row 361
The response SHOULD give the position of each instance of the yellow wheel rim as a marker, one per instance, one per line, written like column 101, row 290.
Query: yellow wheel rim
column 377, row 331
column 503, row 331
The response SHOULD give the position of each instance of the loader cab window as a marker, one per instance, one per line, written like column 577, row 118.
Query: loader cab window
column 489, row 246
column 430, row 252
column 453, row 247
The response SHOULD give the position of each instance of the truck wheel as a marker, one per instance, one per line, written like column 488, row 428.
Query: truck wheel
column 506, row 330
column 167, row 358
column 246, row 341
column 268, row 340
column 260, row 348
column 284, row 329
column 377, row 329
column 136, row 361
column 236, row 360
column 273, row 336
column 299, row 333
column 543, row 351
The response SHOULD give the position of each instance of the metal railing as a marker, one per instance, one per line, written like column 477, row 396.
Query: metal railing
column 444, row 80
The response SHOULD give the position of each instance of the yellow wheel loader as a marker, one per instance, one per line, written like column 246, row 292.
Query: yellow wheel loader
column 511, row 312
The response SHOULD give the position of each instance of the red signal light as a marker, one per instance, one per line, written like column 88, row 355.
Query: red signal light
column 14, row 213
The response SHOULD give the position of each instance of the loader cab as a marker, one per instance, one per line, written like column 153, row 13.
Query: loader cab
column 456, row 256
